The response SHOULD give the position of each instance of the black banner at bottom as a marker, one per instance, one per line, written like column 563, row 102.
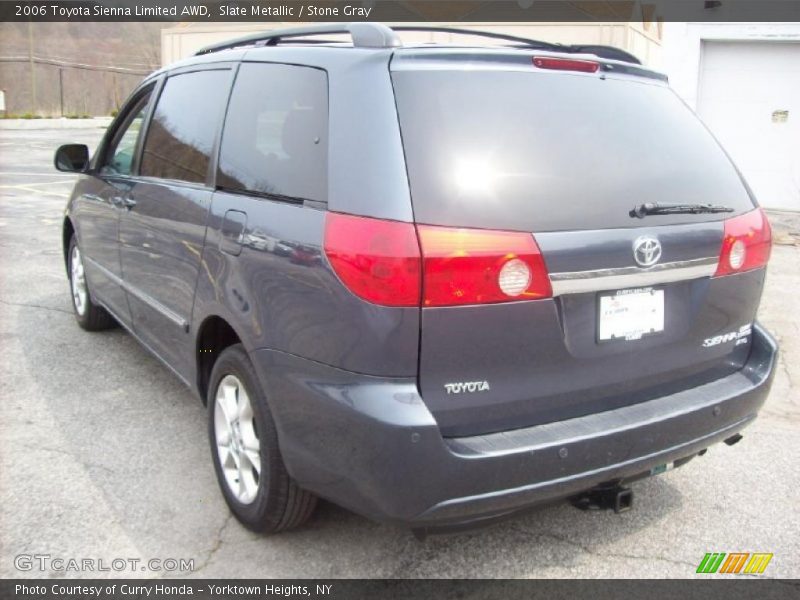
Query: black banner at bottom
column 335, row 589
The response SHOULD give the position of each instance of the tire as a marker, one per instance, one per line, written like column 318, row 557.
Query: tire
column 263, row 499
column 89, row 315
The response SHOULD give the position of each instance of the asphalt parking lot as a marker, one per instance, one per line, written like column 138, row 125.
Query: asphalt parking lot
column 104, row 452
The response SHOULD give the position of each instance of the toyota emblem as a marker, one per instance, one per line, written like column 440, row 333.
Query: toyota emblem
column 646, row 251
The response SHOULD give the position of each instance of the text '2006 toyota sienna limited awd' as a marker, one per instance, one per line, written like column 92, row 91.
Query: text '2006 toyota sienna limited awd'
column 433, row 284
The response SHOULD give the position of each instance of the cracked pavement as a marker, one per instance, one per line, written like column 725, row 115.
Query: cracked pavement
column 103, row 452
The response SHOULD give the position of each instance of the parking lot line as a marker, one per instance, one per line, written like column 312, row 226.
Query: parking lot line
column 56, row 174
column 16, row 185
column 33, row 190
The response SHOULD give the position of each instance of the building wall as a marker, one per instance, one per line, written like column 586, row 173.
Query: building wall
column 681, row 48
column 642, row 39
column 743, row 80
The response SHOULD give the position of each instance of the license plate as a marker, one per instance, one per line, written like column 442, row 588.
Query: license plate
column 630, row 314
column 658, row 470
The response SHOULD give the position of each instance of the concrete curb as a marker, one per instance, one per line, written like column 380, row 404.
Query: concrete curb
column 28, row 124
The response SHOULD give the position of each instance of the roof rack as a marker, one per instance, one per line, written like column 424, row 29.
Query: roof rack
column 377, row 35
column 365, row 35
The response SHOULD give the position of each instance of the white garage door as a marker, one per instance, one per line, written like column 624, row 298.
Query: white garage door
column 750, row 98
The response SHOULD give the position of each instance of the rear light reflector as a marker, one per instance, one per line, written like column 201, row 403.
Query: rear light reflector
column 377, row 260
column 746, row 244
column 737, row 255
column 515, row 277
column 566, row 64
column 476, row 266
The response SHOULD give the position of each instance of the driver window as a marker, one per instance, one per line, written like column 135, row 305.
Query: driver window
column 119, row 159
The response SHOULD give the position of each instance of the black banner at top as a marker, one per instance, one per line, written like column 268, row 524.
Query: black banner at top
column 400, row 11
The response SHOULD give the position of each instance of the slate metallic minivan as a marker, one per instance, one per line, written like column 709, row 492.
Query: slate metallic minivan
column 433, row 284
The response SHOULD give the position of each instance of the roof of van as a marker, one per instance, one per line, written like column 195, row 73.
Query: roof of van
column 303, row 43
column 377, row 35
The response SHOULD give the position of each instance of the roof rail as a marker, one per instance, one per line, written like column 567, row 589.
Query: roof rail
column 365, row 35
column 608, row 52
column 529, row 43
column 377, row 35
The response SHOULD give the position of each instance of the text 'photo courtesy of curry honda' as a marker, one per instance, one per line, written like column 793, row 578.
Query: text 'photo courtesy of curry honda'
column 433, row 284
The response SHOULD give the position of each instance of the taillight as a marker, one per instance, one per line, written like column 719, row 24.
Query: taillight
column 566, row 64
column 746, row 245
column 377, row 260
column 476, row 266
column 380, row 261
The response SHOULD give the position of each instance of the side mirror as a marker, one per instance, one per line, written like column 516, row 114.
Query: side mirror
column 72, row 158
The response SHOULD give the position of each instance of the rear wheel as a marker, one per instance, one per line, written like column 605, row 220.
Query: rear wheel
column 89, row 315
column 244, row 447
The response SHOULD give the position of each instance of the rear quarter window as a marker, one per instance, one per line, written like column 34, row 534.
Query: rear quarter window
column 275, row 139
column 548, row 151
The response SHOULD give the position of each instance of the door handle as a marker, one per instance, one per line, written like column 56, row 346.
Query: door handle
column 123, row 202
column 128, row 202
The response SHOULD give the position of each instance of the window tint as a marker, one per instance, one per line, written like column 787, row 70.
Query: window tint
column 275, row 140
column 181, row 134
column 547, row 152
column 119, row 159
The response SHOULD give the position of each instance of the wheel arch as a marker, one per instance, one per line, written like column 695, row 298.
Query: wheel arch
column 214, row 335
column 67, row 231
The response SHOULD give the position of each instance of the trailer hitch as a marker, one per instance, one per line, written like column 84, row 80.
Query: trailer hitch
column 605, row 497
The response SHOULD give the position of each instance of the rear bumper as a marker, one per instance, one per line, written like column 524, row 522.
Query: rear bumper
column 371, row 445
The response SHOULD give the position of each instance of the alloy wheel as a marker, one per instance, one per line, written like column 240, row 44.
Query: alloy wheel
column 78, row 282
column 236, row 434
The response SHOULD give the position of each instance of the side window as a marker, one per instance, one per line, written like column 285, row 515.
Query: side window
column 119, row 158
column 181, row 133
column 275, row 140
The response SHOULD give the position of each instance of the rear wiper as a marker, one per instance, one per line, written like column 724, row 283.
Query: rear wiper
column 650, row 208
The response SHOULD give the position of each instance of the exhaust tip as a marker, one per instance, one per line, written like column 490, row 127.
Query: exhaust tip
column 734, row 439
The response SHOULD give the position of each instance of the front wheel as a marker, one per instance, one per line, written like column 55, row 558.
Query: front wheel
column 244, row 448
column 89, row 315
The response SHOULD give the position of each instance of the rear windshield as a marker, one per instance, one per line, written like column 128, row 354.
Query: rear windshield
column 548, row 152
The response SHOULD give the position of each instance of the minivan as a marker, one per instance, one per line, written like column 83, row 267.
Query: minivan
column 434, row 284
